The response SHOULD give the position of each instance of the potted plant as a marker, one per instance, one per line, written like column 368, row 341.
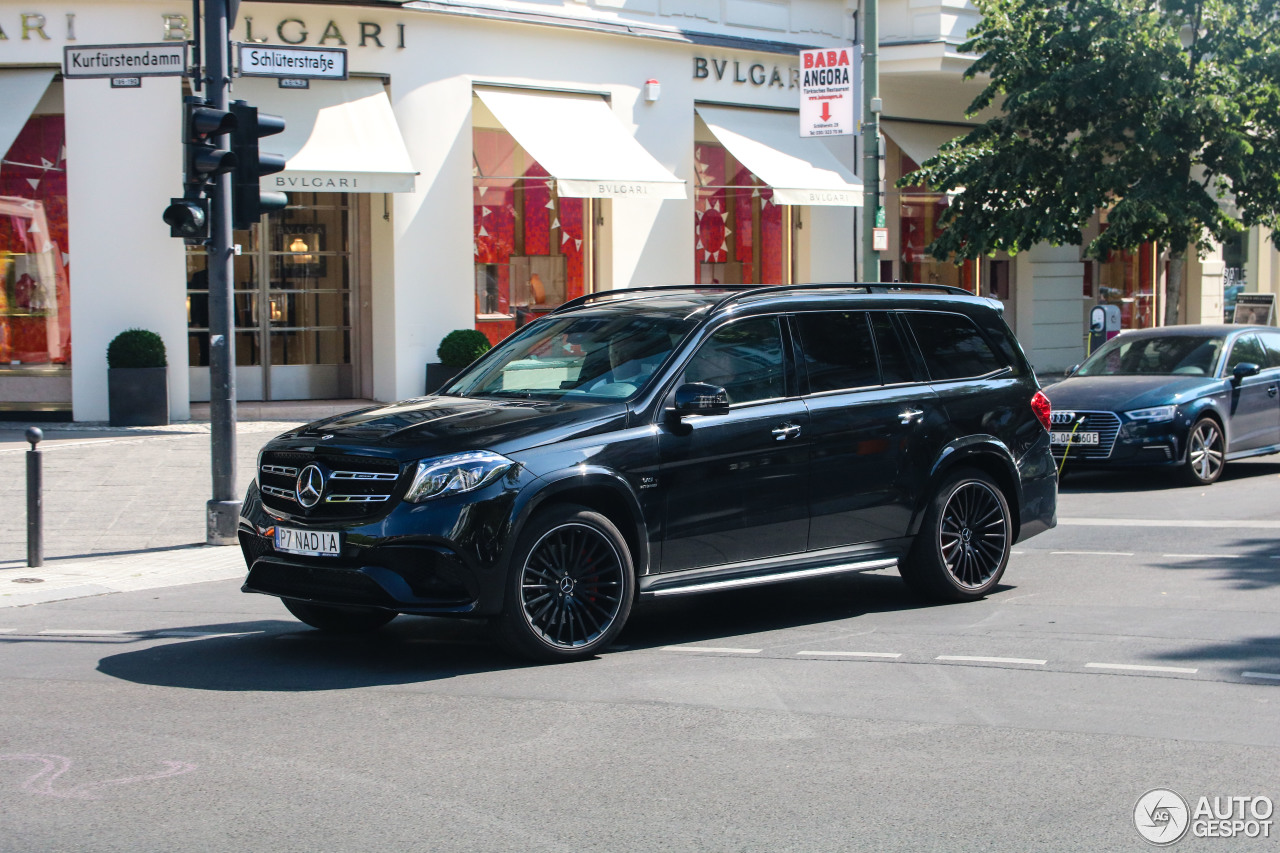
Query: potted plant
column 137, row 379
column 457, row 350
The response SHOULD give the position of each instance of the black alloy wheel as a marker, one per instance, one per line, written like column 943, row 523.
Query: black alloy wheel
column 571, row 586
column 1206, row 453
column 335, row 619
column 964, row 541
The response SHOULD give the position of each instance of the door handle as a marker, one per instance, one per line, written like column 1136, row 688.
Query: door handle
column 1271, row 390
column 784, row 431
column 911, row 416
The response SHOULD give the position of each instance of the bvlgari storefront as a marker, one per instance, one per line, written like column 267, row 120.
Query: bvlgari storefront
column 471, row 173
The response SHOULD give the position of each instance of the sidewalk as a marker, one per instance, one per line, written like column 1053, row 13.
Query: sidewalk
column 124, row 507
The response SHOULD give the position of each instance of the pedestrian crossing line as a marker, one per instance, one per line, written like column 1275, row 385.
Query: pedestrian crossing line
column 1273, row 676
column 7, row 630
column 853, row 654
column 1137, row 667
column 718, row 649
column 1202, row 556
column 1091, row 553
column 78, row 632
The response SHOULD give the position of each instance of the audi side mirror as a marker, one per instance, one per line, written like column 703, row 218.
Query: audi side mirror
column 700, row 398
column 1243, row 369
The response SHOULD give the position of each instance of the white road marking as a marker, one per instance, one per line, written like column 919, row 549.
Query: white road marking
column 722, row 649
column 1234, row 524
column 79, row 632
column 7, row 630
column 978, row 659
column 1134, row 667
column 1274, row 676
column 1094, row 553
column 197, row 633
column 853, row 654
column 1202, row 556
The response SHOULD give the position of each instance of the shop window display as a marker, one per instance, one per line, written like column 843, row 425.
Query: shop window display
column 1128, row 281
column 741, row 235
column 918, row 214
column 529, row 243
column 35, row 299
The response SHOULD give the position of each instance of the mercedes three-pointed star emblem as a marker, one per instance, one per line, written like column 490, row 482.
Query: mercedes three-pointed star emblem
column 310, row 486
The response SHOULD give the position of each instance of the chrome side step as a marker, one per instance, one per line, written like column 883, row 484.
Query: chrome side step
column 676, row 588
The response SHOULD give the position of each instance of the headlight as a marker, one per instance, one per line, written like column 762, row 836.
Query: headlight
column 1153, row 415
column 464, row 472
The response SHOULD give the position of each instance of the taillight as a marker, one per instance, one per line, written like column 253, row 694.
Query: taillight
column 1042, row 407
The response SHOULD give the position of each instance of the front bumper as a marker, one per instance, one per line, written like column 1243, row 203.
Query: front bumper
column 1137, row 444
column 442, row 557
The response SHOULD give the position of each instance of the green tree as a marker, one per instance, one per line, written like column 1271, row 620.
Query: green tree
column 1165, row 113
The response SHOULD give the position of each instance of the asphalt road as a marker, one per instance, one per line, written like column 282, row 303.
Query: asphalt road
column 1136, row 646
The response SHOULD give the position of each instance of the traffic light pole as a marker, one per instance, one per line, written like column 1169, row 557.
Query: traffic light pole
column 223, row 511
column 870, row 139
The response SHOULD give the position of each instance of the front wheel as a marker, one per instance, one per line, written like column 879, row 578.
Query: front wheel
column 963, row 545
column 1206, row 453
column 570, row 588
column 335, row 619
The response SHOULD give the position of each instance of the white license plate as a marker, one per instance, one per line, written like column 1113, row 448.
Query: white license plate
column 311, row 543
column 1068, row 438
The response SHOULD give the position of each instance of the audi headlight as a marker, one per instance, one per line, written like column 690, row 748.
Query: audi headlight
column 1153, row 415
column 463, row 472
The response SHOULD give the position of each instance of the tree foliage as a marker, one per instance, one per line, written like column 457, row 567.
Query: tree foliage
column 1156, row 111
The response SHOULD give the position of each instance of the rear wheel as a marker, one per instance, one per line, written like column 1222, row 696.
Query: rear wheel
column 963, row 545
column 1206, row 453
column 335, row 619
column 570, row 588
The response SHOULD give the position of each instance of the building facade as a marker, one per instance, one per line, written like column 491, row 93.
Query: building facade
column 483, row 163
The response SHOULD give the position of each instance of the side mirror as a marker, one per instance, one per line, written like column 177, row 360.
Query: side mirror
column 700, row 398
column 1243, row 369
column 1073, row 369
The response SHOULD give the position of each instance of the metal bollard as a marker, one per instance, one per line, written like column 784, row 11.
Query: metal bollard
column 35, row 524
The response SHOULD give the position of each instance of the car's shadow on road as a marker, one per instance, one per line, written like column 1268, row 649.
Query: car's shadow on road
column 286, row 656
column 1099, row 481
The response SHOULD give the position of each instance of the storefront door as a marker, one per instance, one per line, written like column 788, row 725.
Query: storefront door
column 294, row 305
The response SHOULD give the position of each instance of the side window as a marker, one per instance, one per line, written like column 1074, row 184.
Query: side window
column 837, row 350
column 1271, row 343
column 744, row 358
column 895, row 364
column 1246, row 349
column 952, row 346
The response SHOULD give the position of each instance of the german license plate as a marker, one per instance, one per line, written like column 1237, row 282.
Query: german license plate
column 1068, row 438
column 310, row 543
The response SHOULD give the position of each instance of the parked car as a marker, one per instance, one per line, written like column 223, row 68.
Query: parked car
column 1185, row 397
column 666, row 441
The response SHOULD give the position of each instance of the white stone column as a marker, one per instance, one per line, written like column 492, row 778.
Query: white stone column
column 124, row 162
column 1049, row 282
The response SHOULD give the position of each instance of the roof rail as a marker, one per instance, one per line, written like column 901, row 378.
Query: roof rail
column 744, row 290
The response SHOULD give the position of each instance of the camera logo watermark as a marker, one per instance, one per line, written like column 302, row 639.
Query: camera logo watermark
column 1163, row 817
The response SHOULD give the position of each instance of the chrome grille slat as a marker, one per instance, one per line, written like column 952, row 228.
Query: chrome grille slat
column 355, row 485
column 356, row 499
column 362, row 475
column 279, row 493
column 280, row 469
column 1105, row 424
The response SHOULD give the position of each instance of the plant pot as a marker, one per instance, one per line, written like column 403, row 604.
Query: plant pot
column 439, row 375
column 138, row 396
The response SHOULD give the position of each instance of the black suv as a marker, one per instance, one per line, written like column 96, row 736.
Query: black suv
column 663, row 441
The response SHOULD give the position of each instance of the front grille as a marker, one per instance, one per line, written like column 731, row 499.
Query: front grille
column 344, row 586
column 1105, row 424
column 355, row 486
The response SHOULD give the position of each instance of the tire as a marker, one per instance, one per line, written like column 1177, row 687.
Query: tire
column 963, row 545
column 334, row 619
column 570, row 588
column 1206, row 453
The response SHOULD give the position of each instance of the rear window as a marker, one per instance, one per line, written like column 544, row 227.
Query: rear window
column 837, row 350
column 952, row 346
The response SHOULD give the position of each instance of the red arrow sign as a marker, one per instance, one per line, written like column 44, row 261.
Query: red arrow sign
column 826, row 111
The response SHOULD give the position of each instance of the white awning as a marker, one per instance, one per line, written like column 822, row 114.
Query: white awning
column 339, row 136
column 921, row 141
column 20, row 90
column 580, row 142
column 799, row 170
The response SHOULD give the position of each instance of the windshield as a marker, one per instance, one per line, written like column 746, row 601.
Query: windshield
column 578, row 357
column 1175, row 355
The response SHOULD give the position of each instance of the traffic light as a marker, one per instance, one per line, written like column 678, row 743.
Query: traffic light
column 188, row 218
column 204, row 158
column 249, row 202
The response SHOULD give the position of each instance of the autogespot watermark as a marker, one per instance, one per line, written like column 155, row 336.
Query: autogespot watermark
column 1163, row 817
